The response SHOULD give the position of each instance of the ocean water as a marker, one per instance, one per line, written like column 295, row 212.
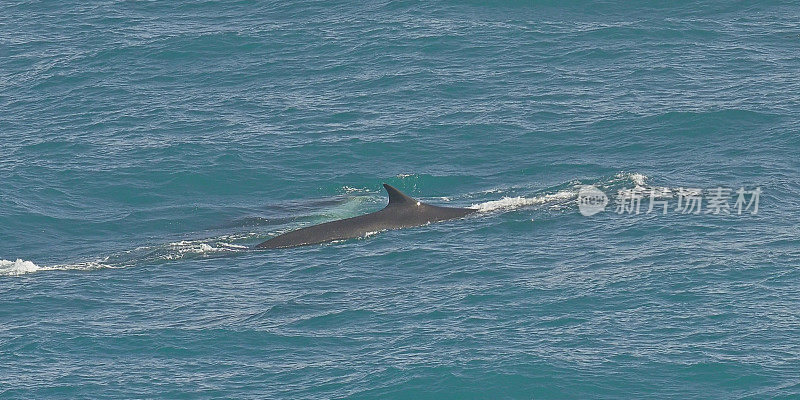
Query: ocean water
column 146, row 146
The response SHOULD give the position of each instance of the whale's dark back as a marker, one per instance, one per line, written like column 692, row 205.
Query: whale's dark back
column 401, row 212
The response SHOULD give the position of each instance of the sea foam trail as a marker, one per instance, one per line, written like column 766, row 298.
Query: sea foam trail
column 144, row 254
column 560, row 197
column 22, row 267
column 510, row 203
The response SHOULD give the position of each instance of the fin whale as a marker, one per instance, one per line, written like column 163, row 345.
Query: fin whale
column 401, row 212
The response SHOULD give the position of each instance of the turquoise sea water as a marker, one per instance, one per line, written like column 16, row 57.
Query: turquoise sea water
column 145, row 146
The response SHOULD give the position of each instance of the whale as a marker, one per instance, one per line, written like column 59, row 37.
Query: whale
column 403, row 211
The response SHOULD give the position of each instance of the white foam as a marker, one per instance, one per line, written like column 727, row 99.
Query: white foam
column 640, row 180
column 19, row 267
column 510, row 203
column 637, row 178
column 180, row 249
column 240, row 236
column 177, row 250
column 22, row 267
column 350, row 189
column 232, row 246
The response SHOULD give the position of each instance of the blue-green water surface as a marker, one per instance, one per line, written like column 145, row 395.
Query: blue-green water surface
column 146, row 146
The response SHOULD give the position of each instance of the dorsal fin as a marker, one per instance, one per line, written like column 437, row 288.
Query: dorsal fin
column 398, row 197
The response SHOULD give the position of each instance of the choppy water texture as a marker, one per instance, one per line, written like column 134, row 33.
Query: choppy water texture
column 145, row 146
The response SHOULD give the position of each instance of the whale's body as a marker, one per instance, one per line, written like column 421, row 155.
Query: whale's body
column 401, row 212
